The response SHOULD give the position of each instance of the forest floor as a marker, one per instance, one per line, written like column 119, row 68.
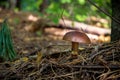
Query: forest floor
column 42, row 56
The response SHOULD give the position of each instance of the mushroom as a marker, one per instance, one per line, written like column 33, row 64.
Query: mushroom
column 76, row 37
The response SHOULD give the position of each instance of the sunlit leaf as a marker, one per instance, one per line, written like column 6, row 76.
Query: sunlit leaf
column 80, row 17
column 93, row 8
column 82, row 2
column 65, row 1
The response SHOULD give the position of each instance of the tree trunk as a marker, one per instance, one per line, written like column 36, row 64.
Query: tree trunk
column 115, row 31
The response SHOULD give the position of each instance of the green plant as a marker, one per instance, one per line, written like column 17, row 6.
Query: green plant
column 7, row 51
column 30, row 5
column 78, row 10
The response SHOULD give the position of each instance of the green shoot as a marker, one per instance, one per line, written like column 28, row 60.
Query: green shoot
column 7, row 51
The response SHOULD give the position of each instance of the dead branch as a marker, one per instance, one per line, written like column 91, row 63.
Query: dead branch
column 57, row 32
column 85, row 27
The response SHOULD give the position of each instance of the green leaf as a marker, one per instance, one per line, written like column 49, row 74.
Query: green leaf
column 66, row 1
column 82, row 2
column 55, row 20
column 80, row 17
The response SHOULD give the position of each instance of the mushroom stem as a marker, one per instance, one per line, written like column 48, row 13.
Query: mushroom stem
column 75, row 46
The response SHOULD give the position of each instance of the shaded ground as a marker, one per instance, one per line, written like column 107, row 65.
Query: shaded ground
column 95, row 62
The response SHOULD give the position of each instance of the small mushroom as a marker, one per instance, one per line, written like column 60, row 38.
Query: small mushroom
column 76, row 37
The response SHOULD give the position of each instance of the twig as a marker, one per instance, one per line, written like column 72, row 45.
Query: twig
column 104, row 75
column 98, row 53
column 64, row 75
column 96, row 67
column 116, row 20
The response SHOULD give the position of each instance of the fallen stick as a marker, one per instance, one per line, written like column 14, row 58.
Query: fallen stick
column 61, row 32
column 84, row 27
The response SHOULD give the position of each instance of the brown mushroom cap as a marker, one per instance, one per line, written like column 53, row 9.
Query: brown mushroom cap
column 76, row 36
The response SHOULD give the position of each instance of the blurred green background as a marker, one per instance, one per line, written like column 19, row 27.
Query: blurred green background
column 78, row 10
